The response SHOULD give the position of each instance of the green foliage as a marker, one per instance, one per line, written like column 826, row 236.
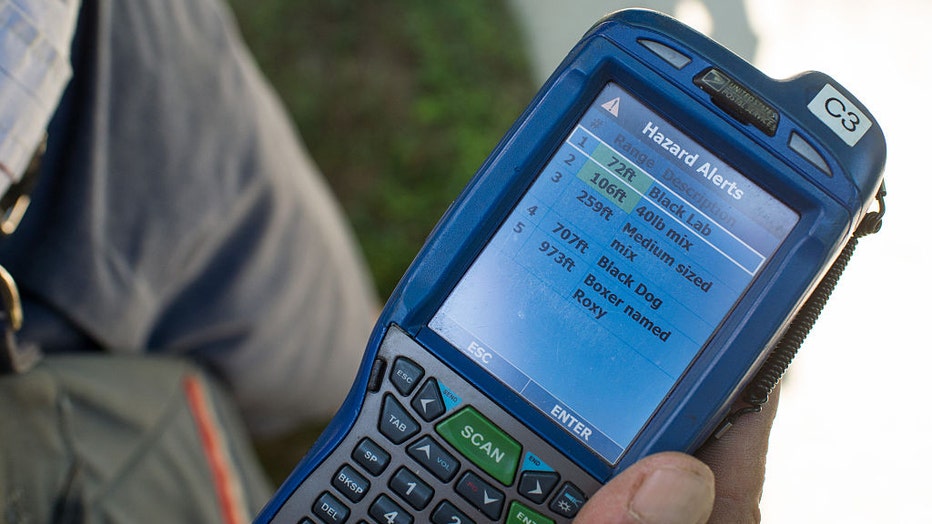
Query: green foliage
column 398, row 102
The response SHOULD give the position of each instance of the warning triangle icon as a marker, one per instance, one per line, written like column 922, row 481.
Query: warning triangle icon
column 612, row 106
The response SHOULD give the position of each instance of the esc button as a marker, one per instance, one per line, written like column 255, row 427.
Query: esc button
column 405, row 375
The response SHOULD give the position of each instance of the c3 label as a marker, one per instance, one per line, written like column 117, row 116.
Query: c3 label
column 840, row 115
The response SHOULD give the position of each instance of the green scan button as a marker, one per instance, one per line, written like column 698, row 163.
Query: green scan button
column 482, row 443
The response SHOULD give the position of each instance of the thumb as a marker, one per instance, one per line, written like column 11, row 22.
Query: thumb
column 666, row 488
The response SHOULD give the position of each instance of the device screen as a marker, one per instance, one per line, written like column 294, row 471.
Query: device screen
column 612, row 272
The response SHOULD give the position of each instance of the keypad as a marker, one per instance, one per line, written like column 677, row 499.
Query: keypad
column 411, row 488
column 537, row 485
column 484, row 444
column 568, row 501
column 350, row 483
column 519, row 513
column 328, row 508
column 447, row 513
column 386, row 511
column 395, row 423
column 405, row 375
column 428, row 453
column 481, row 494
column 429, row 401
column 434, row 455
column 370, row 456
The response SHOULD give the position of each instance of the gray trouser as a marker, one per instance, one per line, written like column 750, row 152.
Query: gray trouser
column 102, row 438
column 177, row 216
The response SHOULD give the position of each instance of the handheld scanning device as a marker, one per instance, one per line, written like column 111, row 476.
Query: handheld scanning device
column 612, row 279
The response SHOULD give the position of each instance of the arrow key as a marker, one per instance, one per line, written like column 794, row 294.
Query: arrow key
column 537, row 485
column 428, row 453
column 481, row 494
column 428, row 402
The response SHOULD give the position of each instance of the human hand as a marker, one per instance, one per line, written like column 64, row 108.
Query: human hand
column 722, row 484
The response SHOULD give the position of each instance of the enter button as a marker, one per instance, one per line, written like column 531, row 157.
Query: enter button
column 483, row 443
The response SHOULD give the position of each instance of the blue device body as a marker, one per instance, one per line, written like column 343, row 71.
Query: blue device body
column 792, row 139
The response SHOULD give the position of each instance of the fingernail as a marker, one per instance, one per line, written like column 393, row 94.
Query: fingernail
column 674, row 496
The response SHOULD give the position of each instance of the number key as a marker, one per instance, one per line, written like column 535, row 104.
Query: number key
column 411, row 488
column 385, row 511
column 447, row 513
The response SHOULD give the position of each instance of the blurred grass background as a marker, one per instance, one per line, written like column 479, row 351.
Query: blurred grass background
column 398, row 102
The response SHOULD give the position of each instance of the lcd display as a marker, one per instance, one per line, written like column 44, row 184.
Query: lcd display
column 612, row 272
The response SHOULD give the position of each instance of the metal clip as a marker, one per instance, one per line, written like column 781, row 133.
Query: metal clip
column 872, row 221
column 12, row 304
column 15, row 202
column 14, row 357
column 14, row 215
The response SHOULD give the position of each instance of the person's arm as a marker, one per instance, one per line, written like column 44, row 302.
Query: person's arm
column 723, row 485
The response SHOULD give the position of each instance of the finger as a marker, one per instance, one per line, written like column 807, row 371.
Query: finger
column 667, row 488
column 738, row 460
